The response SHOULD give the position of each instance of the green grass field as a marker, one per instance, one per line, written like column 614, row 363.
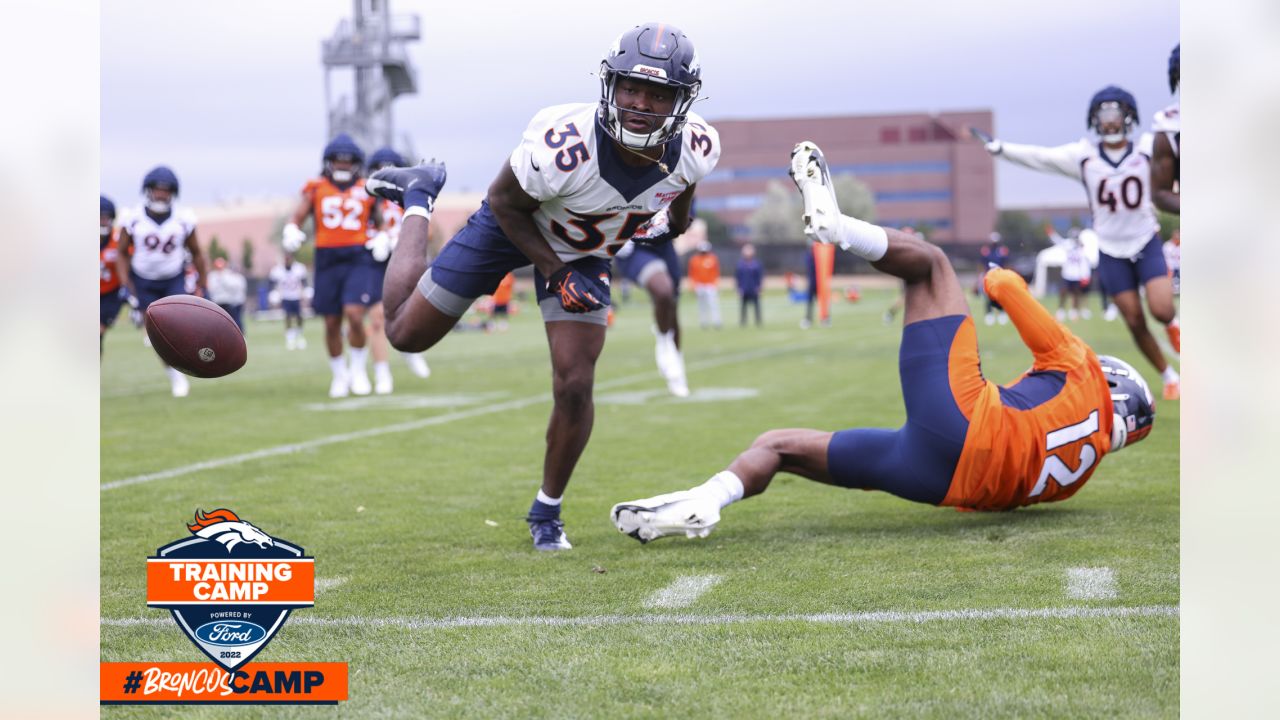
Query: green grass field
column 822, row 602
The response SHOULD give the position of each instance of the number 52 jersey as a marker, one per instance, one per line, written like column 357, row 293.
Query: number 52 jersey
column 592, row 202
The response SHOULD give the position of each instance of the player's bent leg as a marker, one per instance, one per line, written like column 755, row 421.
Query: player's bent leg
column 424, row 317
column 930, row 286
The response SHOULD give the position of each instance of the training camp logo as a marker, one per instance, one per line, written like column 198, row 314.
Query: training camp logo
column 229, row 585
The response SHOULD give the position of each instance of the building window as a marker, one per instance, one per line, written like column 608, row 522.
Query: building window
column 890, row 135
column 917, row 134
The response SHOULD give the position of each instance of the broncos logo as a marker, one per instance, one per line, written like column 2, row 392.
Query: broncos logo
column 227, row 528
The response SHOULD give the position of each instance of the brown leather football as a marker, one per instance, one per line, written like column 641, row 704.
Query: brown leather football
column 195, row 336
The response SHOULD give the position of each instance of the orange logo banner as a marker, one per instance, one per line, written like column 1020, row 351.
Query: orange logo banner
column 190, row 683
column 239, row 581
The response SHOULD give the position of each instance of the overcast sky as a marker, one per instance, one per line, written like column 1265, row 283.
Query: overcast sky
column 231, row 93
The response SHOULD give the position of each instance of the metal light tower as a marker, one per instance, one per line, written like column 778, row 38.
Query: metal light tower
column 373, row 44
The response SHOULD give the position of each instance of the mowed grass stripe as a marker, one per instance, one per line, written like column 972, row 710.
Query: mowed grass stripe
column 291, row 448
column 854, row 618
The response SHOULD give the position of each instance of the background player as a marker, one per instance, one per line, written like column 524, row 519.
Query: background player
column 1117, row 175
column 583, row 181
column 652, row 263
column 1076, row 273
column 109, row 285
column 155, row 239
column 344, row 214
column 1166, row 170
column 289, row 279
column 704, row 275
column 381, row 245
column 967, row 442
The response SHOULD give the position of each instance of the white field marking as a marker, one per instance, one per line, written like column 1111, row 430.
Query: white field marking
column 401, row 402
column 701, row 394
column 858, row 618
column 1091, row 583
column 324, row 584
column 411, row 425
column 683, row 592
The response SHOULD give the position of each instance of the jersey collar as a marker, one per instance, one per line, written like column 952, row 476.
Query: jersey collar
column 630, row 180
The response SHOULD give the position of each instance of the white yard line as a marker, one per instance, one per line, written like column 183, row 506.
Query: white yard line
column 324, row 584
column 1091, row 583
column 412, row 425
column 683, row 592
column 856, row 618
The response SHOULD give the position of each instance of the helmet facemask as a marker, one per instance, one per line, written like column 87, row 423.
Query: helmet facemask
column 670, row 125
column 1112, row 112
column 159, row 204
column 342, row 177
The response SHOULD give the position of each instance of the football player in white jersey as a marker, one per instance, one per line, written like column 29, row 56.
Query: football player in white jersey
column 289, row 279
column 584, row 180
column 154, row 241
column 1166, row 153
column 1116, row 173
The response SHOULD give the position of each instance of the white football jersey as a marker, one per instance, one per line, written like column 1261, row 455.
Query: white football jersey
column 1169, row 122
column 159, row 250
column 592, row 202
column 289, row 281
column 1119, row 192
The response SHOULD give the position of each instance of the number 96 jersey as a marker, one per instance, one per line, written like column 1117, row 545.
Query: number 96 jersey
column 592, row 202
column 159, row 249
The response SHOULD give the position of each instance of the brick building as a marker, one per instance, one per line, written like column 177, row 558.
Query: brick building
column 922, row 168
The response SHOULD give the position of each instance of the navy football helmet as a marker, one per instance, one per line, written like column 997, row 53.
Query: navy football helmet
column 106, row 207
column 344, row 149
column 1112, row 99
column 384, row 157
column 1135, row 407
column 1175, row 68
column 160, row 178
column 656, row 53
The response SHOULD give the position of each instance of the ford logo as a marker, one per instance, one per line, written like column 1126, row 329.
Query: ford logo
column 230, row 633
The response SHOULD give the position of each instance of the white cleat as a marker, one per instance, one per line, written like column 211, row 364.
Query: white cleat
column 289, row 343
column 340, row 387
column 813, row 179
column 417, row 364
column 179, row 384
column 382, row 383
column 360, row 384
column 678, row 513
column 1111, row 314
column 302, row 343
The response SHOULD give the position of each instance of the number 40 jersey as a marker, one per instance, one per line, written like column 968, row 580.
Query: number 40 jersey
column 1119, row 191
column 592, row 202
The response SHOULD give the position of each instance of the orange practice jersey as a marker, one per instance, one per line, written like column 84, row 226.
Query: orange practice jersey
column 1020, row 456
column 704, row 269
column 392, row 218
column 108, row 279
column 342, row 216
column 502, row 296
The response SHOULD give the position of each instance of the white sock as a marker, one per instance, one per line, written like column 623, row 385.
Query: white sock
column 172, row 373
column 358, row 358
column 338, row 367
column 724, row 487
column 382, row 367
column 291, row 333
column 1170, row 375
column 546, row 499
column 863, row 239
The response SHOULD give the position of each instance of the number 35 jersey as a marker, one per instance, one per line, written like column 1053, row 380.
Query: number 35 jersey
column 1119, row 192
column 341, row 215
column 158, row 249
column 592, row 202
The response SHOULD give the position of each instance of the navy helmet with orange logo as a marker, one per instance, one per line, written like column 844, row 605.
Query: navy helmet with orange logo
column 656, row 53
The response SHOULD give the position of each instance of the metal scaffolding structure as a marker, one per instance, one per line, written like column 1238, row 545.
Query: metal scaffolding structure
column 373, row 44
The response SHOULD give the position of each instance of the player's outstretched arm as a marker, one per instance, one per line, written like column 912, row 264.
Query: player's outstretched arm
column 1040, row 332
column 292, row 237
column 1162, row 176
column 1063, row 159
column 513, row 208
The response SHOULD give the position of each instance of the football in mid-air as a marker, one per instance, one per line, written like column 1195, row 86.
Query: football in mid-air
column 195, row 336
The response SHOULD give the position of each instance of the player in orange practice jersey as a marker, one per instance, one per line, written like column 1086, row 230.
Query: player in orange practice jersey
column 108, row 280
column 344, row 269
column 967, row 442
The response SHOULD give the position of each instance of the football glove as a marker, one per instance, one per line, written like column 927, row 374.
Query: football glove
column 380, row 246
column 577, row 292
column 656, row 231
column 993, row 146
column 292, row 238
